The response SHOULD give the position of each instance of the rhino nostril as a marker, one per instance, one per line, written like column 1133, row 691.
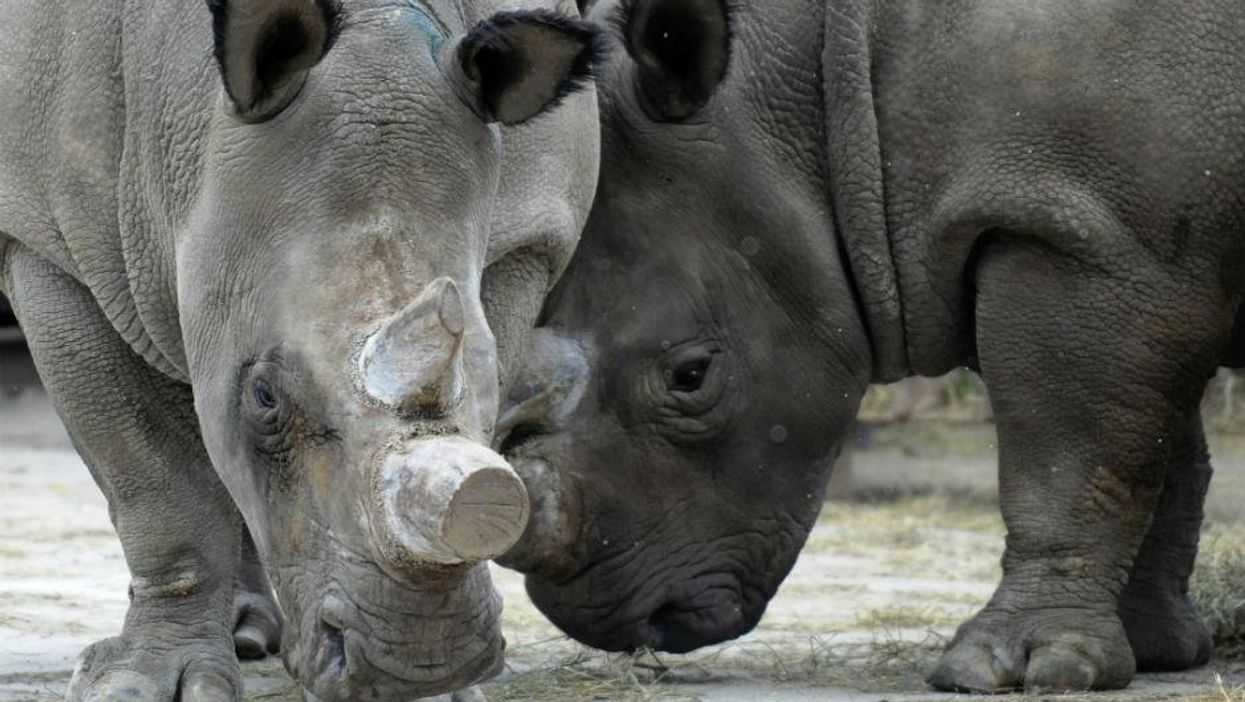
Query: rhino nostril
column 659, row 625
column 520, row 435
column 334, row 650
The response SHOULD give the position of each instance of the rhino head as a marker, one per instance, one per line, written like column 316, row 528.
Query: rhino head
column 330, row 279
column 701, row 360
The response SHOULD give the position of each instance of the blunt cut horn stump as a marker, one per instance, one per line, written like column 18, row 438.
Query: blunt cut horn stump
column 447, row 501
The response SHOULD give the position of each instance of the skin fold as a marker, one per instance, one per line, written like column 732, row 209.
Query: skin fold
column 801, row 197
column 273, row 259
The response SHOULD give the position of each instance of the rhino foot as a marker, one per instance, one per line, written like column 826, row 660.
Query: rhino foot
column 1040, row 651
column 257, row 627
column 1166, row 634
column 120, row 670
column 257, row 621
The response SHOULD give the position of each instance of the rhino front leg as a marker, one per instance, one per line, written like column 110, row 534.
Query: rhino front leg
column 1093, row 367
column 257, row 621
column 137, row 432
column 1164, row 627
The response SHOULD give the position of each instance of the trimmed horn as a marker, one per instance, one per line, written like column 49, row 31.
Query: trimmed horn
column 415, row 362
column 446, row 501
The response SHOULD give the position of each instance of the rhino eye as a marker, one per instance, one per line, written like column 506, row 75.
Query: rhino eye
column 264, row 396
column 689, row 376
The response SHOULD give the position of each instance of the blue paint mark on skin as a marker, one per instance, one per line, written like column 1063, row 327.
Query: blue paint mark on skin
column 429, row 27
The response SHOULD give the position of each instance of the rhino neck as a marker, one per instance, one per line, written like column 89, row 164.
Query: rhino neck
column 856, row 182
column 167, row 117
column 162, row 101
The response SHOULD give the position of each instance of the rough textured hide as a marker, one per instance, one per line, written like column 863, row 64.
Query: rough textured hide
column 1050, row 193
column 200, row 248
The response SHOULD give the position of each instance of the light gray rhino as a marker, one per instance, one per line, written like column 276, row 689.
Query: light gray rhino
column 269, row 255
column 799, row 197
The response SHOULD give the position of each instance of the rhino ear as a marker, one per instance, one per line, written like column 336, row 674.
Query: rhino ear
column 516, row 65
column 266, row 47
column 682, row 49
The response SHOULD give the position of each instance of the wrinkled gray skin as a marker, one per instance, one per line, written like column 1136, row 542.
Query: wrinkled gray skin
column 281, row 309
column 1050, row 193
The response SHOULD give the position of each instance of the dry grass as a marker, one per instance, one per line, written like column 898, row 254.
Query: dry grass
column 895, row 617
column 891, row 662
column 942, row 536
column 1218, row 585
column 1226, row 693
column 589, row 675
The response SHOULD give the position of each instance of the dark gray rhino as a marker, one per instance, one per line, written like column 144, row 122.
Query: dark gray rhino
column 800, row 197
column 270, row 291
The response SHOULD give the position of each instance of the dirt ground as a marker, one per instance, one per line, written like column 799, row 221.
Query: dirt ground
column 882, row 584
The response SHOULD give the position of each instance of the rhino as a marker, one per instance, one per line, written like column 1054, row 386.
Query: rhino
column 799, row 198
column 273, row 259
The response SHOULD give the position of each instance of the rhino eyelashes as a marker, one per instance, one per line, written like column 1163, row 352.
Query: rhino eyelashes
column 276, row 424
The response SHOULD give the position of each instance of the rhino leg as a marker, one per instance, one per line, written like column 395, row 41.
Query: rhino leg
column 1164, row 627
column 257, row 621
column 137, row 432
column 1092, row 383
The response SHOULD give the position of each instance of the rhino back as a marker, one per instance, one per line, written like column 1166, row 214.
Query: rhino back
column 106, row 102
column 1051, row 119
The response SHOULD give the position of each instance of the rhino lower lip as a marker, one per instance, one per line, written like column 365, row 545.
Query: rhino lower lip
column 679, row 629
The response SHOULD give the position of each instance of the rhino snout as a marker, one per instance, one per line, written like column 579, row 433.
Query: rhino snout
column 531, row 433
column 445, row 501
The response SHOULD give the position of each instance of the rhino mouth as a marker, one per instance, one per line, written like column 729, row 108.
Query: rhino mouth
column 678, row 617
column 350, row 660
column 388, row 641
column 719, row 610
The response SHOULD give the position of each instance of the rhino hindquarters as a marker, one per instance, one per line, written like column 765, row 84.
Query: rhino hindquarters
column 1092, row 390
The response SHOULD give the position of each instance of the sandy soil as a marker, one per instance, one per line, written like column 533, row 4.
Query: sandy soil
column 879, row 588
